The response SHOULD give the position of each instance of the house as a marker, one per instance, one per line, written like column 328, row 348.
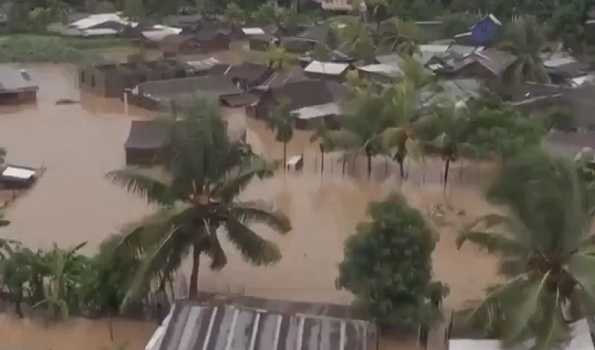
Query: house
column 382, row 73
column 253, row 31
column 298, row 45
column 580, row 340
column 188, row 23
column 261, row 42
column 110, row 80
column 313, row 102
column 566, row 70
column 162, row 94
column 147, row 142
column 102, row 24
column 248, row 75
column 326, row 70
column 246, row 323
column 485, row 32
column 200, row 42
column 488, row 64
column 282, row 77
column 427, row 52
column 451, row 90
column 154, row 35
column 17, row 177
column 16, row 86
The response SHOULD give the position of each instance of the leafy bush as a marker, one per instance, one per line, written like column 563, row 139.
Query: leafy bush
column 30, row 48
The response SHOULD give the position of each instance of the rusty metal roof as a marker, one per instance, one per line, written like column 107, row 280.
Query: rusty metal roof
column 232, row 327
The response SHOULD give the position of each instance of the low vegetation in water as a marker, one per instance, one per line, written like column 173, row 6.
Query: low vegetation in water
column 53, row 49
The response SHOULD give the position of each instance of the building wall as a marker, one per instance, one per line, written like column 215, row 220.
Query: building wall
column 18, row 97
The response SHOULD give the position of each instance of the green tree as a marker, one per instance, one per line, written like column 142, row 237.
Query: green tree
column 265, row 14
column 278, row 58
column 134, row 9
column 400, row 36
column 234, row 15
column 199, row 201
column 388, row 266
column 525, row 39
column 282, row 122
column 546, row 251
column 15, row 272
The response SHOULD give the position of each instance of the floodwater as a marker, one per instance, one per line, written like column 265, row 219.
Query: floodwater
column 73, row 202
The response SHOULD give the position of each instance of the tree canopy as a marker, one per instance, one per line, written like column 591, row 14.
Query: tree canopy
column 388, row 265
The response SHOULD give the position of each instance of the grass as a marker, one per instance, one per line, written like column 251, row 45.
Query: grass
column 54, row 49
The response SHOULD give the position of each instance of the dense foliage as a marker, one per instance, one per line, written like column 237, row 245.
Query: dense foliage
column 388, row 266
column 546, row 251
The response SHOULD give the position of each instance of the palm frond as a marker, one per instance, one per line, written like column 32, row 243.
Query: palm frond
column 254, row 212
column 136, row 182
column 492, row 242
column 555, row 330
column 254, row 248
column 214, row 250
column 229, row 188
column 582, row 268
column 394, row 137
column 342, row 140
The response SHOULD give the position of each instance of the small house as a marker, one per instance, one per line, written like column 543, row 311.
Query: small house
column 110, row 80
column 247, row 323
column 261, row 42
column 566, row 70
column 16, row 86
column 381, row 73
column 326, row 70
column 312, row 102
column 162, row 94
column 147, row 142
column 102, row 24
column 154, row 35
column 248, row 75
column 201, row 42
column 17, row 177
column 485, row 32
column 298, row 45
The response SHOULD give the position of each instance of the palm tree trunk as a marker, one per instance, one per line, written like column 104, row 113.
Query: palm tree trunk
column 401, row 168
column 343, row 166
column 17, row 305
column 446, row 169
column 369, row 164
column 193, row 288
column 284, row 156
column 321, row 161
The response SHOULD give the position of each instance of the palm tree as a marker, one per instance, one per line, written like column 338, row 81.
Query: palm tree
column 546, row 250
column 525, row 39
column 281, row 122
column 400, row 36
column 278, row 58
column 199, row 202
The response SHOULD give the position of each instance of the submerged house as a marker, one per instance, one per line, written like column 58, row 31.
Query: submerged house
column 382, row 73
column 327, row 70
column 248, row 75
column 147, row 142
column 110, row 80
column 487, row 64
column 156, row 95
column 486, row 31
column 16, row 86
column 101, row 24
column 566, row 70
column 17, row 177
column 312, row 102
column 195, row 43
column 246, row 323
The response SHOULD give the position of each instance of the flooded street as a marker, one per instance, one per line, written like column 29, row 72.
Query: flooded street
column 73, row 202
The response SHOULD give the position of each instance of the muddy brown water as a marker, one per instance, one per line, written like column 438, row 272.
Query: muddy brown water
column 73, row 202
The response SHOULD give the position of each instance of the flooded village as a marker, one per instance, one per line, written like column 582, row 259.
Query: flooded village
column 372, row 110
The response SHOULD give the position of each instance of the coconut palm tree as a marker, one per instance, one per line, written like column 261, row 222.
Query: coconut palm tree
column 546, row 249
column 398, row 35
column 278, row 58
column 199, row 202
column 281, row 122
column 525, row 39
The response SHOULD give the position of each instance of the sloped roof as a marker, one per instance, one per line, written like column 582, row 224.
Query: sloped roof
column 202, row 326
column 247, row 71
column 183, row 91
column 147, row 135
column 388, row 70
column 309, row 93
column 580, row 340
column 278, row 79
column 328, row 68
column 15, row 80
column 98, row 19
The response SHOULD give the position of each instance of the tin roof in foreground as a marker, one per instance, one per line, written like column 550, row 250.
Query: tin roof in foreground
column 234, row 327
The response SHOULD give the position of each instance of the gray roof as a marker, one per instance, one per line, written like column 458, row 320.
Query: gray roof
column 14, row 80
column 147, row 135
column 223, row 327
column 184, row 91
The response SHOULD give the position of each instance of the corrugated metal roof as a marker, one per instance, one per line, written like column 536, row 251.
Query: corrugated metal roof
column 317, row 111
column 329, row 68
column 15, row 80
column 580, row 340
column 228, row 327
